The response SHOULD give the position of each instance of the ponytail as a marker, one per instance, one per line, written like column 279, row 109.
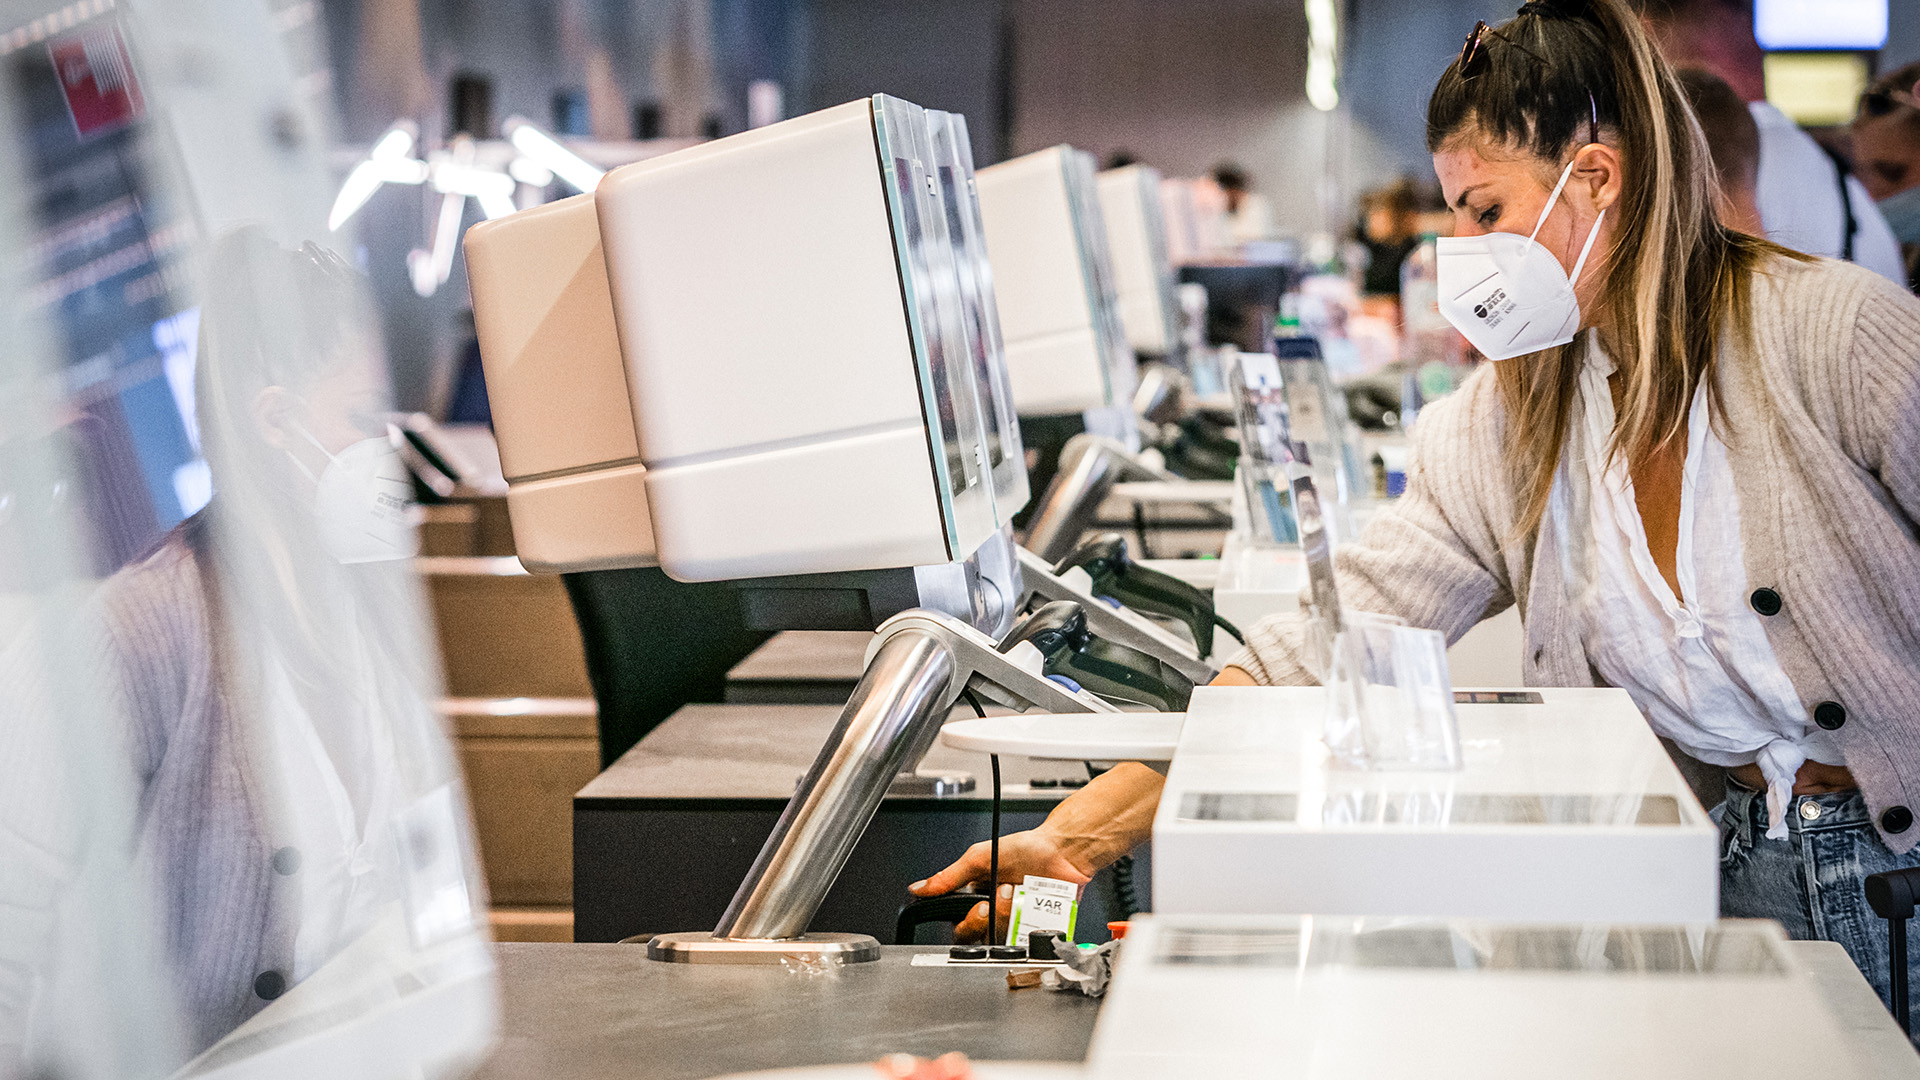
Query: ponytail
column 1559, row 75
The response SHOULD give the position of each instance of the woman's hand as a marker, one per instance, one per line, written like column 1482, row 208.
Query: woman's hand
column 1035, row 852
column 1109, row 817
column 1092, row 827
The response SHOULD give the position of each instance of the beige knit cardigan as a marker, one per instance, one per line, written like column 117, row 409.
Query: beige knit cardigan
column 1820, row 413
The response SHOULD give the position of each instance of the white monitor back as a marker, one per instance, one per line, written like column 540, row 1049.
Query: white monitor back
column 1053, row 284
column 558, row 390
column 789, row 312
column 1142, row 273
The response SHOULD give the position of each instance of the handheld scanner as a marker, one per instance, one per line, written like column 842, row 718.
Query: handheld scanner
column 1055, row 628
column 1104, row 558
column 1115, row 672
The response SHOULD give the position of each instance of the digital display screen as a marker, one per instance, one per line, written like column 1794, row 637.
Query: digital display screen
column 106, row 272
column 1820, row 24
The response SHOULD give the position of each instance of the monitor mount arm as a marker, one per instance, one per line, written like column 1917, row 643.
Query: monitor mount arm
column 1089, row 467
column 919, row 664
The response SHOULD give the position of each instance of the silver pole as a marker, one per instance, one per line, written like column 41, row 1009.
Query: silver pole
column 892, row 719
column 1088, row 469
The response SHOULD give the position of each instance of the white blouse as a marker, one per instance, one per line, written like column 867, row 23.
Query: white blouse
column 1699, row 665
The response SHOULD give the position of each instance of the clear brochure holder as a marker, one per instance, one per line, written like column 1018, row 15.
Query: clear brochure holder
column 1266, row 450
column 1389, row 697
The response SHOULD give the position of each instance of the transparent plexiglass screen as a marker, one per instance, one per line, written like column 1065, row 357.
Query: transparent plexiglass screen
column 934, row 289
column 1156, row 220
column 1103, row 296
column 234, row 837
column 979, row 345
column 953, row 155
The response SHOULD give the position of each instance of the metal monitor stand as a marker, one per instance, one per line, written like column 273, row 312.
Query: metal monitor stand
column 918, row 666
column 1089, row 467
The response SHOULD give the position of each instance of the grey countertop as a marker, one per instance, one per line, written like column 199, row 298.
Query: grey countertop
column 597, row 1012
column 760, row 751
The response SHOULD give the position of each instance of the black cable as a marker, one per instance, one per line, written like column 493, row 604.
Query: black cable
column 975, row 702
column 1126, row 905
column 993, row 872
column 1229, row 628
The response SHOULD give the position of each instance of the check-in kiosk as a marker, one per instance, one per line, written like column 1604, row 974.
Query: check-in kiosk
column 1565, row 808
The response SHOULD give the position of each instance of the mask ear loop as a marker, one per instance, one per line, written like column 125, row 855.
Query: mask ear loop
column 301, row 465
column 1593, row 136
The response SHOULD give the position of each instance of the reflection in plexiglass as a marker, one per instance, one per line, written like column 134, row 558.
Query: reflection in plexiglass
column 233, row 839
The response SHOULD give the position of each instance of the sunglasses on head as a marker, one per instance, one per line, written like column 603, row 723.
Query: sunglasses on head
column 1473, row 55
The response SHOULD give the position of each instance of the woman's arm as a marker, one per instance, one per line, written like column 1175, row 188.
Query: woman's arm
column 1091, row 828
column 1432, row 559
column 1872, row 390
column 1434, row 556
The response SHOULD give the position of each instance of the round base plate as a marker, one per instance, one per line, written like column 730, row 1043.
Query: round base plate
column 704, row 948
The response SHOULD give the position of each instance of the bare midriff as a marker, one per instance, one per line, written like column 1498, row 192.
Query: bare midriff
column 1813, row 778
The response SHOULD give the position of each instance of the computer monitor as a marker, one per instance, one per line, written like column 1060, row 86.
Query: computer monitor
column 791, row 323
column 1054, row 285
column 1142, row 271
column 1831, row 25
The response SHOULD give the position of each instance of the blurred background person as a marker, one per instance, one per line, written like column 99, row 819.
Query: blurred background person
column 1389, row 230
column 1733, row 141
column 1886, row 149
column 1249, row 215
column 1804, row 193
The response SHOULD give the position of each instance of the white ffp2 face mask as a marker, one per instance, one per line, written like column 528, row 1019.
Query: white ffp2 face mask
column 1507, row 293
column 363, row 501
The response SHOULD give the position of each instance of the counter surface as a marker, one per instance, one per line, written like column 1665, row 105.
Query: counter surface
column 587, row 1012
column 596, row 1012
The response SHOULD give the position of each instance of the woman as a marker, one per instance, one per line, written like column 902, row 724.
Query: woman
column 1886, row 152
column 266, row 663
column 1697, row 473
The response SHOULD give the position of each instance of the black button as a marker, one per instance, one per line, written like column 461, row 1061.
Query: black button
column 1765, row 601
column 271, row 984
column 1896, row 819
column 286, row 861
column 1830, row 715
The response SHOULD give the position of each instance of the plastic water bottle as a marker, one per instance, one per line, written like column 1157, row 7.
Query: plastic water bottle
column 1428, row 354
column 1424, row 328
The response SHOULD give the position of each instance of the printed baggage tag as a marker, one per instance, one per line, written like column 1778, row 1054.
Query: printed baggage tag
column 1045, row 904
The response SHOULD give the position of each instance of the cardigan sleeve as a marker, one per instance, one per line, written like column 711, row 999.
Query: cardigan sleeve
column 1432, row 557
column 1875, row 388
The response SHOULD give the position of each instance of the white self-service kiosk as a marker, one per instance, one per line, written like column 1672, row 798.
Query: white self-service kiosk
column 1054, row 288
column 1565, row 808
column 1345, row 998
column 805, row 352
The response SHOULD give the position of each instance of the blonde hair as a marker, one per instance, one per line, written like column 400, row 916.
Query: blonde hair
column 1560, row 75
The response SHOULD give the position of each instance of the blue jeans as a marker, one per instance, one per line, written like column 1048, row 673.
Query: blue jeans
column 1810, row 882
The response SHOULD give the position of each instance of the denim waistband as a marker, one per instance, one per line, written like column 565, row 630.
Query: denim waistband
column 1745, row 811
